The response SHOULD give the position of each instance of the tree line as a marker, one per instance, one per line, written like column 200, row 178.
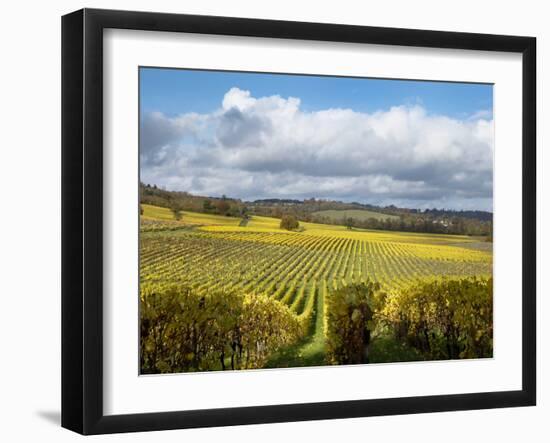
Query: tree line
column 473, row 223
column 178, row 202
column 422, row 223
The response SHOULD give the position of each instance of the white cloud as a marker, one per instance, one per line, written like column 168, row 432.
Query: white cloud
column 268, row 147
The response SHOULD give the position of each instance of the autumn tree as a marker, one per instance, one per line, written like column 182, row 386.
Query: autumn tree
column 176, row 208
column 289, row 222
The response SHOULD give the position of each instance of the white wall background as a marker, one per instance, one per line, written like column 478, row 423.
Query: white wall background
column 30, row 219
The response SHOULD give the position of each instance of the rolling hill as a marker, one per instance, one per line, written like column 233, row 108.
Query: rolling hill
column 357, row 214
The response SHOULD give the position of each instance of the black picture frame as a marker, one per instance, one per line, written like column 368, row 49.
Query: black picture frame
column 82, row 218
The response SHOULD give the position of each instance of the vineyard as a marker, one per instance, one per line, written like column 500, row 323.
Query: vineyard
column 216, row 254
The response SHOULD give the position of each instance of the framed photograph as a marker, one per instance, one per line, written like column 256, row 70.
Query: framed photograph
column 268, row 221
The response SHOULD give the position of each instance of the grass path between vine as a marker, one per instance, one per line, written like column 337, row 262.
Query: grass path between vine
column 311, row 350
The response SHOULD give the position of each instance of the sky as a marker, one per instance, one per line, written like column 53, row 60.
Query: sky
column 415, row 144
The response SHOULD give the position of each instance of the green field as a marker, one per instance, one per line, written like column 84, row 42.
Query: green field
column 357, row 214
column 297, row 269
